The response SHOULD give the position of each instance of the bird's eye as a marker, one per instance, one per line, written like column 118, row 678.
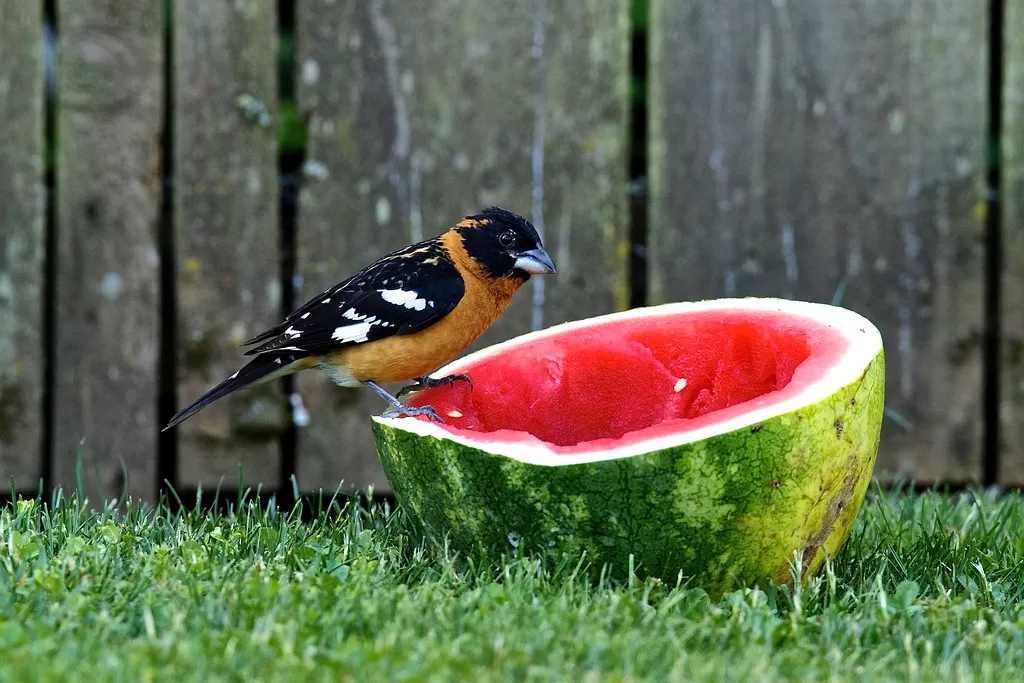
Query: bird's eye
column 507, row 239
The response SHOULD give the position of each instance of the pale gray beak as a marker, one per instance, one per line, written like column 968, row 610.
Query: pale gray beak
column 536, row 261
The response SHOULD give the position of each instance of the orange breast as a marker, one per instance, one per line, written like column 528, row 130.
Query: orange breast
column 402, row 358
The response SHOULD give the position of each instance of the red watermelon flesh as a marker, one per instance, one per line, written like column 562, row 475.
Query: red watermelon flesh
column 627, row 380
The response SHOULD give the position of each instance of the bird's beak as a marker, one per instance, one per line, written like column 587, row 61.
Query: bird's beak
column 536, row 261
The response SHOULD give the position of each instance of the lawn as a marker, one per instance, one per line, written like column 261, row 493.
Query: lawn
column 927, row 588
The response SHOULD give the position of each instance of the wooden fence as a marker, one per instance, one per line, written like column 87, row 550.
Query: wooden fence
column 154, row 212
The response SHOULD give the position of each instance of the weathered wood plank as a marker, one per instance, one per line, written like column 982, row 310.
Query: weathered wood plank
column 21, row 244
column 108, row 191
column 1012, row 377
column 423, row 112
column 226, row 233
column 811, row 150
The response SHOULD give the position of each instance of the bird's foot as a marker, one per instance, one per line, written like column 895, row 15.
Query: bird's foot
column 398, row 408
column 426, row 382
column 412, row 411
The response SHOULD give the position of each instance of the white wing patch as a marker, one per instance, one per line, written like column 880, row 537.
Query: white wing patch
column 402, row 297
column 291, row 333
column 352, row 333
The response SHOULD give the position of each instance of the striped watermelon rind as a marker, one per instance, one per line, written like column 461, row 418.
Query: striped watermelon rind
column 721, row 507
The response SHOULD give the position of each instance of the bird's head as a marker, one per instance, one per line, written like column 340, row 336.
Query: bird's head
column 505, row 244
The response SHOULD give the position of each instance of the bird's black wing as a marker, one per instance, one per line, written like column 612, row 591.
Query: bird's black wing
column 404, row 292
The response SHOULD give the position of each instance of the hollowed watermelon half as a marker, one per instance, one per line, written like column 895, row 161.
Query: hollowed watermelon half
column 712, row 441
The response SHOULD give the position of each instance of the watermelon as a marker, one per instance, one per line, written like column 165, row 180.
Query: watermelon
column 715, row 443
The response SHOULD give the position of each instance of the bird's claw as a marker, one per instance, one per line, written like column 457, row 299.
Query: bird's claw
column 452, row 379
column 412, row 411
column 426, row 382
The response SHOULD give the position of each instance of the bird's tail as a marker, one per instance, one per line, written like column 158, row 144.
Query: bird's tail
column 260, row 369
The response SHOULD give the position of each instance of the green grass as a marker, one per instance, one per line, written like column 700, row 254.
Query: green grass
column 927, row 588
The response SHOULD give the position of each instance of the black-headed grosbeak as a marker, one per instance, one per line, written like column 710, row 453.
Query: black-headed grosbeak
column 403, row 316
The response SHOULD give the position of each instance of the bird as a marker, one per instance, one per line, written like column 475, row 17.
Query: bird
column 401, row 317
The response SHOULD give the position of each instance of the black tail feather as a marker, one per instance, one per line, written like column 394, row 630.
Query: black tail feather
column 259, row 369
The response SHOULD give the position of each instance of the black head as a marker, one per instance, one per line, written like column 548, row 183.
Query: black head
column 506, row 244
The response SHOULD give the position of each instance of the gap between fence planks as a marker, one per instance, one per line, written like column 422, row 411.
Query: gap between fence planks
column 423, row 112
column 22, row 206
column 814, row 150
column 110, row 82
column 227, row 252
column 1012, row 147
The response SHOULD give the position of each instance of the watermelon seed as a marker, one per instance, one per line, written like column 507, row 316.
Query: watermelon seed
column 680, row 385
column 454, row 413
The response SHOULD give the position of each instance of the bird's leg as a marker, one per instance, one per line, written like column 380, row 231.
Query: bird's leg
column 397, row 407
column 427, row 382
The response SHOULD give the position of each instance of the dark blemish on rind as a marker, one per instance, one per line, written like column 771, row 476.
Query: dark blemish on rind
column 853, row 401
column 776, row 484
column 839, row 427
column 756, row 428
column 810, row 554
column 833, row 513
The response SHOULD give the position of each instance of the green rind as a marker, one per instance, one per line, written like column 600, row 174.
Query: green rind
column 725, row 512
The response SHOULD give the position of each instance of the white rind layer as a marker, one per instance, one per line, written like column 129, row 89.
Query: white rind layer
column 865, row 344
